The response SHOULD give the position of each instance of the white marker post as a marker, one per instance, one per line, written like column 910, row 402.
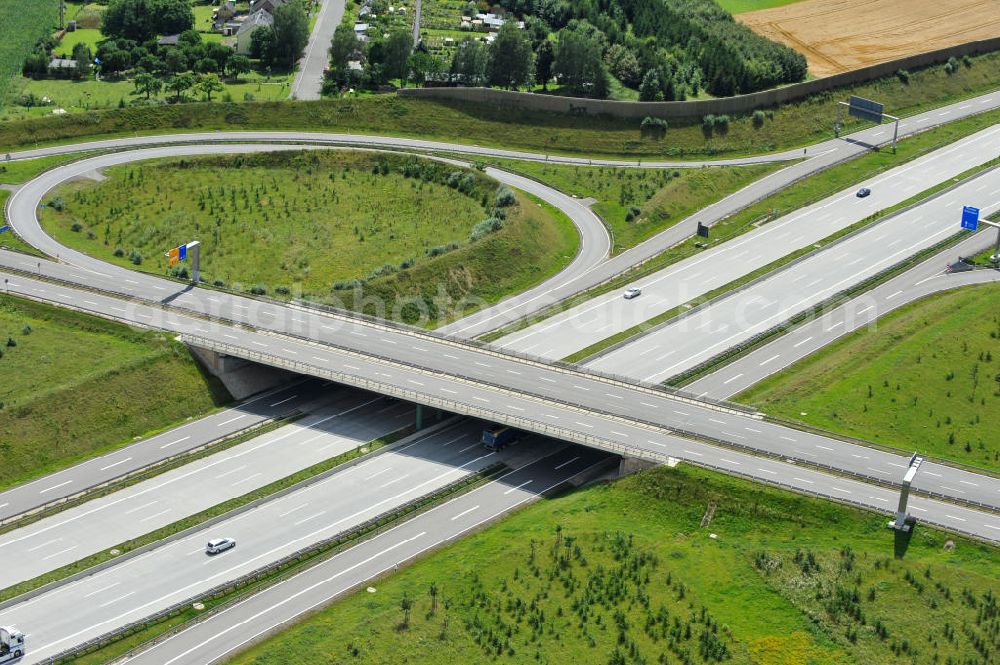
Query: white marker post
column 903, row 521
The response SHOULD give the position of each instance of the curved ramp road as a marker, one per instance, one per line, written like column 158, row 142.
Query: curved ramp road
column 717, row 326
column 273, row 530
column 351, row 419
column 923, row 280
column 20, row 499
column 595, row 243
column 603, row 316
column 559, row 402
column 818, row 157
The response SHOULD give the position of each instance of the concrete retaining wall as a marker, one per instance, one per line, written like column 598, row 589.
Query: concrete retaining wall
column 737, row 105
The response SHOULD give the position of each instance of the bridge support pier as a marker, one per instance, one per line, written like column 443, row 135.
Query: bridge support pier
column 629, row 465
column 241, row 378
column 419, row 424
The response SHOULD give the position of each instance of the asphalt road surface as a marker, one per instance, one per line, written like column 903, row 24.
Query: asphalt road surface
column 559, row 402
column 718, row 326
column 309, row 78
column 349, row 419
column 181, row 569
column 603, row 316
column 195, row 434
column 575, row 279
column 920, row 281
column 224, row 633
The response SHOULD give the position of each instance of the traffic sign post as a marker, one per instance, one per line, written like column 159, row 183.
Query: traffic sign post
column 866, row 109
column 903, row 521
column 182, row 252
column 971, row 222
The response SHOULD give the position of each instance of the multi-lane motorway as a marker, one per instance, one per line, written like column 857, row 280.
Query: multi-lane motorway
column 927, row 278
column 712, row 329
column 180, row 569
column 603, row 316
column 345, row 420
column 572, row 405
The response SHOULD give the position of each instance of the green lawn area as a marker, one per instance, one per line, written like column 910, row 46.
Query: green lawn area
column 77, row 96
column 75, row 386
column 305, row 223
column 924, row 379
column 663, row 197
column 21, row 171
column 88, row 36
column 624, row 573
column 740, row 6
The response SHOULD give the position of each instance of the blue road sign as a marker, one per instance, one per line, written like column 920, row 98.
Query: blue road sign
column 970, row 218
column 182, row 252
column 4, row 228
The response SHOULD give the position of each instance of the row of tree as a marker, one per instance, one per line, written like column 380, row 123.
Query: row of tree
column 665, row 49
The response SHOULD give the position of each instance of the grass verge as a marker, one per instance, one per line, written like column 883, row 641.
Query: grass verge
column 552, row 133
column 161, row 627
column 203, row 516
column 803, row 193
column 636, row 204
column 669, row 565
column 76, row 386
column 924, row 379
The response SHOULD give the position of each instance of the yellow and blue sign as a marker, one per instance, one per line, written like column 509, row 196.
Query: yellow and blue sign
column 176, row 255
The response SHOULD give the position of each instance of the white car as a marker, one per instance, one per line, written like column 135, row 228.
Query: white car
column 634, row 292
column 217, row 545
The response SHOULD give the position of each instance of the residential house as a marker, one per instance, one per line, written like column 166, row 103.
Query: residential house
column 267, row 5
column 223, row 13
column 259, row 19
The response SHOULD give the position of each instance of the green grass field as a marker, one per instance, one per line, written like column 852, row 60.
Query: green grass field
column 88, row 36
column 663, row 197
column 75, row 386
column 25, row 21
column 299, row 223
column 925, row 379
column 624, row 573
column 740, row 6
column 789, row 126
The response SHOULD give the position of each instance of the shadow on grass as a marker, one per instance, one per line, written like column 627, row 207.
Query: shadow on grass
column 902, row 539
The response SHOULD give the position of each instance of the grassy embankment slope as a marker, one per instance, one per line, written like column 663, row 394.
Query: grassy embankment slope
column 75, row 386
column 788, row 126
column 636, row 204
column 624, row 573
column 302, row 223
column 925, row 379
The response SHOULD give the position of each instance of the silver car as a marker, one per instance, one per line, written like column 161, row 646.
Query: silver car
column 633, row 292
column 217, row 545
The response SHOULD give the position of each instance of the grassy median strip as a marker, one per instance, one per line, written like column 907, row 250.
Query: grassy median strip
column 198, row 518
column 799, row 195
column 175, row 620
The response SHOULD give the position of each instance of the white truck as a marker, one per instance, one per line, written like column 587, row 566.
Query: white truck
column 11, row 644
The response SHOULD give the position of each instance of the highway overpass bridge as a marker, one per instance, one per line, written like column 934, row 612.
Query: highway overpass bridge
column 565, row 402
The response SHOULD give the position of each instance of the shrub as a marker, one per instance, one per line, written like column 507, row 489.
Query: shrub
column 347, row 285
column 903, row 75
column 505, row 197
column 57, row 203
column 76, row 227
column 259, row 290
column 651, row 126
column 722, row 123
column 633, row 213
column 283, row 290
column 758, row 119
column 951, row 66
column 218, row 282
column 708, row 122
column 119, row 252
column 484, row 228
column 26, row 330
column 967, row 61
column 407, row 263
column 10, row 341
column 135, row 257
